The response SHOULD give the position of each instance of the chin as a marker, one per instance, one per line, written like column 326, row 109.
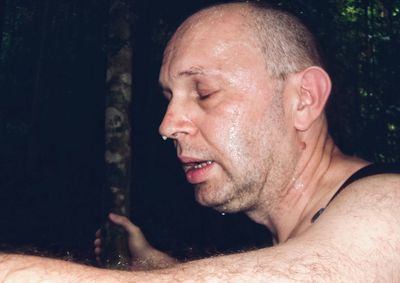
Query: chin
column 208, row 197
column 218, row 202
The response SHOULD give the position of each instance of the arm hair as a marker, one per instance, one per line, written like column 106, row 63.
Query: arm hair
column 357, row 239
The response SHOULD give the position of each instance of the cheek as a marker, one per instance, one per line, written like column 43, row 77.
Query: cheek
column 226, row 132
column 236, row 132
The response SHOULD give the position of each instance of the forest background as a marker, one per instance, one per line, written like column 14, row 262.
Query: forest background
column 53, row 66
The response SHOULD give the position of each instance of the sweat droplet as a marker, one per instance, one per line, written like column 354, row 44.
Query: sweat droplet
column 223, row 213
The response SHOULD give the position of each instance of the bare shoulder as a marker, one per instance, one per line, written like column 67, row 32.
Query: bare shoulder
column 369, row 195
column 362, row 227
column 369, row 204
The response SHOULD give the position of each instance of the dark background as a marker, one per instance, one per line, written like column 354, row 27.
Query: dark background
column 52, row 95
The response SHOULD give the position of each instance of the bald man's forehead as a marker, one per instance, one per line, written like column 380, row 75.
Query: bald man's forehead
column 216, row 48
column 214, row 25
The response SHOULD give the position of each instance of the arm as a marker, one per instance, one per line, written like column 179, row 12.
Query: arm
column 19, row 268
column 357, row 239
column 34, row 269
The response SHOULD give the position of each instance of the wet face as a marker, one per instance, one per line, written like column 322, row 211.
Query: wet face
column 224, row 114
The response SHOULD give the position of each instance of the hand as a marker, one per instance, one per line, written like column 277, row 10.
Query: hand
column 144, row 256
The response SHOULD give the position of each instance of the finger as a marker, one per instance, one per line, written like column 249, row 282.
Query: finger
column 98, row 233
column 125, row 222
column 98, row 259
column 97, row 251
column 118, row 219
column 97, row 243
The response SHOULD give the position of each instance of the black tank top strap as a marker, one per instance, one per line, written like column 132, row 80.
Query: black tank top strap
column 369, row 170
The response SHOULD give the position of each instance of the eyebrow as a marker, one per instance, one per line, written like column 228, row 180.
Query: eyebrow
column 192, row 71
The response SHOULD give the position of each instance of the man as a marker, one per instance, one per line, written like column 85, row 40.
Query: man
column 246, row 92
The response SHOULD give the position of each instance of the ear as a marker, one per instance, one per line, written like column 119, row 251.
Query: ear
column 313, row 89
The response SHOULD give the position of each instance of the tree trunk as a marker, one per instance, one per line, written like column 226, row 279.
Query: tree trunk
column 117, row 130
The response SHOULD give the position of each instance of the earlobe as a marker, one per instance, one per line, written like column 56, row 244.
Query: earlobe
column 313, row 91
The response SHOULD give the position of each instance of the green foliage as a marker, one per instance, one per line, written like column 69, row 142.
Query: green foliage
column 361, row 40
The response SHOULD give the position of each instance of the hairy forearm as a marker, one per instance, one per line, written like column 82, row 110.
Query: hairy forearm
column 153, row 259
column 246, row 267
column 279, row 264
column 32, row 269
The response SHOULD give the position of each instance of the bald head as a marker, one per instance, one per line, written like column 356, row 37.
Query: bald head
column 286, row 45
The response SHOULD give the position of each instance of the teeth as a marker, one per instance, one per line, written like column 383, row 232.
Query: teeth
column 203, row 164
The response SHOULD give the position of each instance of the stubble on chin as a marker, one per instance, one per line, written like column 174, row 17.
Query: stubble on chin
column 226, row 198
column 212, row 196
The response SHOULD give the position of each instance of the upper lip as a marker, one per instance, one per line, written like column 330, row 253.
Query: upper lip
column 188, row 160
column 191, row 162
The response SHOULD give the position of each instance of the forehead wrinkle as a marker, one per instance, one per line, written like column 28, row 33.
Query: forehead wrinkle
column 195, row 71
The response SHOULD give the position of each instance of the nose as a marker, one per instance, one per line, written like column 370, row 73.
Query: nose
column 177, row 122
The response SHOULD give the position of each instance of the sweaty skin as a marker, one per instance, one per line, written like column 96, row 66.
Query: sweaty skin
column 221, row 110
column 229, row 112
column 259, row 145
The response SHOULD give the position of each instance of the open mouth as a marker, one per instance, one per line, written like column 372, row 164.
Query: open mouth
column 196, row 165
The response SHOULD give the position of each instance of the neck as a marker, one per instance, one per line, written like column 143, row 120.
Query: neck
column 320, row 170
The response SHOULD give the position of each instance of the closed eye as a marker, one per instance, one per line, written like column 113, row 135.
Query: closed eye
column 203, row 95
column 206, row 87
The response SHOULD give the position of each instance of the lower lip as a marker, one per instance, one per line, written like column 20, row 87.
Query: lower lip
column 196, row 176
